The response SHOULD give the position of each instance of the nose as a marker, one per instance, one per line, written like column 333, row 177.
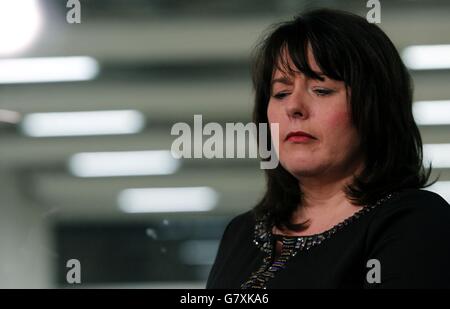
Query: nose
column 296, row 106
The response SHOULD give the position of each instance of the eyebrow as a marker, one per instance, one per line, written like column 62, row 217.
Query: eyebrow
column 282, row 80
column 285, row 80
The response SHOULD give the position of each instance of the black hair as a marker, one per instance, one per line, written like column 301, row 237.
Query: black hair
column 347, row 48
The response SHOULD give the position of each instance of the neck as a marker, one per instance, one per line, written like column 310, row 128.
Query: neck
column 322, row 195
column 323, row 205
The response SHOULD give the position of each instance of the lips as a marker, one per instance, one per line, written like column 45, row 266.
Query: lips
column 299, row 134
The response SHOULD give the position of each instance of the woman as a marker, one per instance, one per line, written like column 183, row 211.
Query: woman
column 345, row 207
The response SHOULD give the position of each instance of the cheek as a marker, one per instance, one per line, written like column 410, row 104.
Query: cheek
column 338, row 115
column 340, row 130
column 338, row 120
column 272, row 113
column 275, row 115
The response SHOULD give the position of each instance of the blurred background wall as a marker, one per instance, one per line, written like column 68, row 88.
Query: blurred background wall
column 153, row 63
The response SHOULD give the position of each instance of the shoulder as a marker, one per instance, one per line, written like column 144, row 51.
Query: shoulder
column 414, row 212
column 239, row 231
column 242, row 223
column 409, row 235
column 234, row 241
column 416, row 203
column 419, row 196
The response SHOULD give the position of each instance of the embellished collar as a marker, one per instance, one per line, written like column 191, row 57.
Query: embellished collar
column 263, row 237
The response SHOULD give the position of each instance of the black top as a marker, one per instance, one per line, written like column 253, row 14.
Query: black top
column 407, row 232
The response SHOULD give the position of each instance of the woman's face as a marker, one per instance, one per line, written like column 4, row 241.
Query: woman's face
column 321, row 109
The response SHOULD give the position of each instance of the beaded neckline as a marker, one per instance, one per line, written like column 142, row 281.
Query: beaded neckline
column 264, row 240
column 263, row 236
column 356, row 215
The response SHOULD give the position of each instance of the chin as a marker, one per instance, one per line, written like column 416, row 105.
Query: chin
column 299, row 173
column 297, row 170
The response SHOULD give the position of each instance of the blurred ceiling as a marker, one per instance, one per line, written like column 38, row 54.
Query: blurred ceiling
column 172, row 59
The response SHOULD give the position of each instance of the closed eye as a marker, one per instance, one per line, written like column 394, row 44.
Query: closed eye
column 280, row 95
column 321, row 92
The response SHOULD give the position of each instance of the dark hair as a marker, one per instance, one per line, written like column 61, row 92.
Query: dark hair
column 348, row 48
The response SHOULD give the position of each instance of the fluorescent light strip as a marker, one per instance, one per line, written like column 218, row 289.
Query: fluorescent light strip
column 156, row 200
column 123, row 163
column 44, row 70
column 427, row 57
column 432, row 112
column 442, row 188
column 437, row 154
column 83, row 123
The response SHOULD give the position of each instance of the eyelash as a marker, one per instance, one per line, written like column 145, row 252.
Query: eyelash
column 321, row 92
column 280, row 95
